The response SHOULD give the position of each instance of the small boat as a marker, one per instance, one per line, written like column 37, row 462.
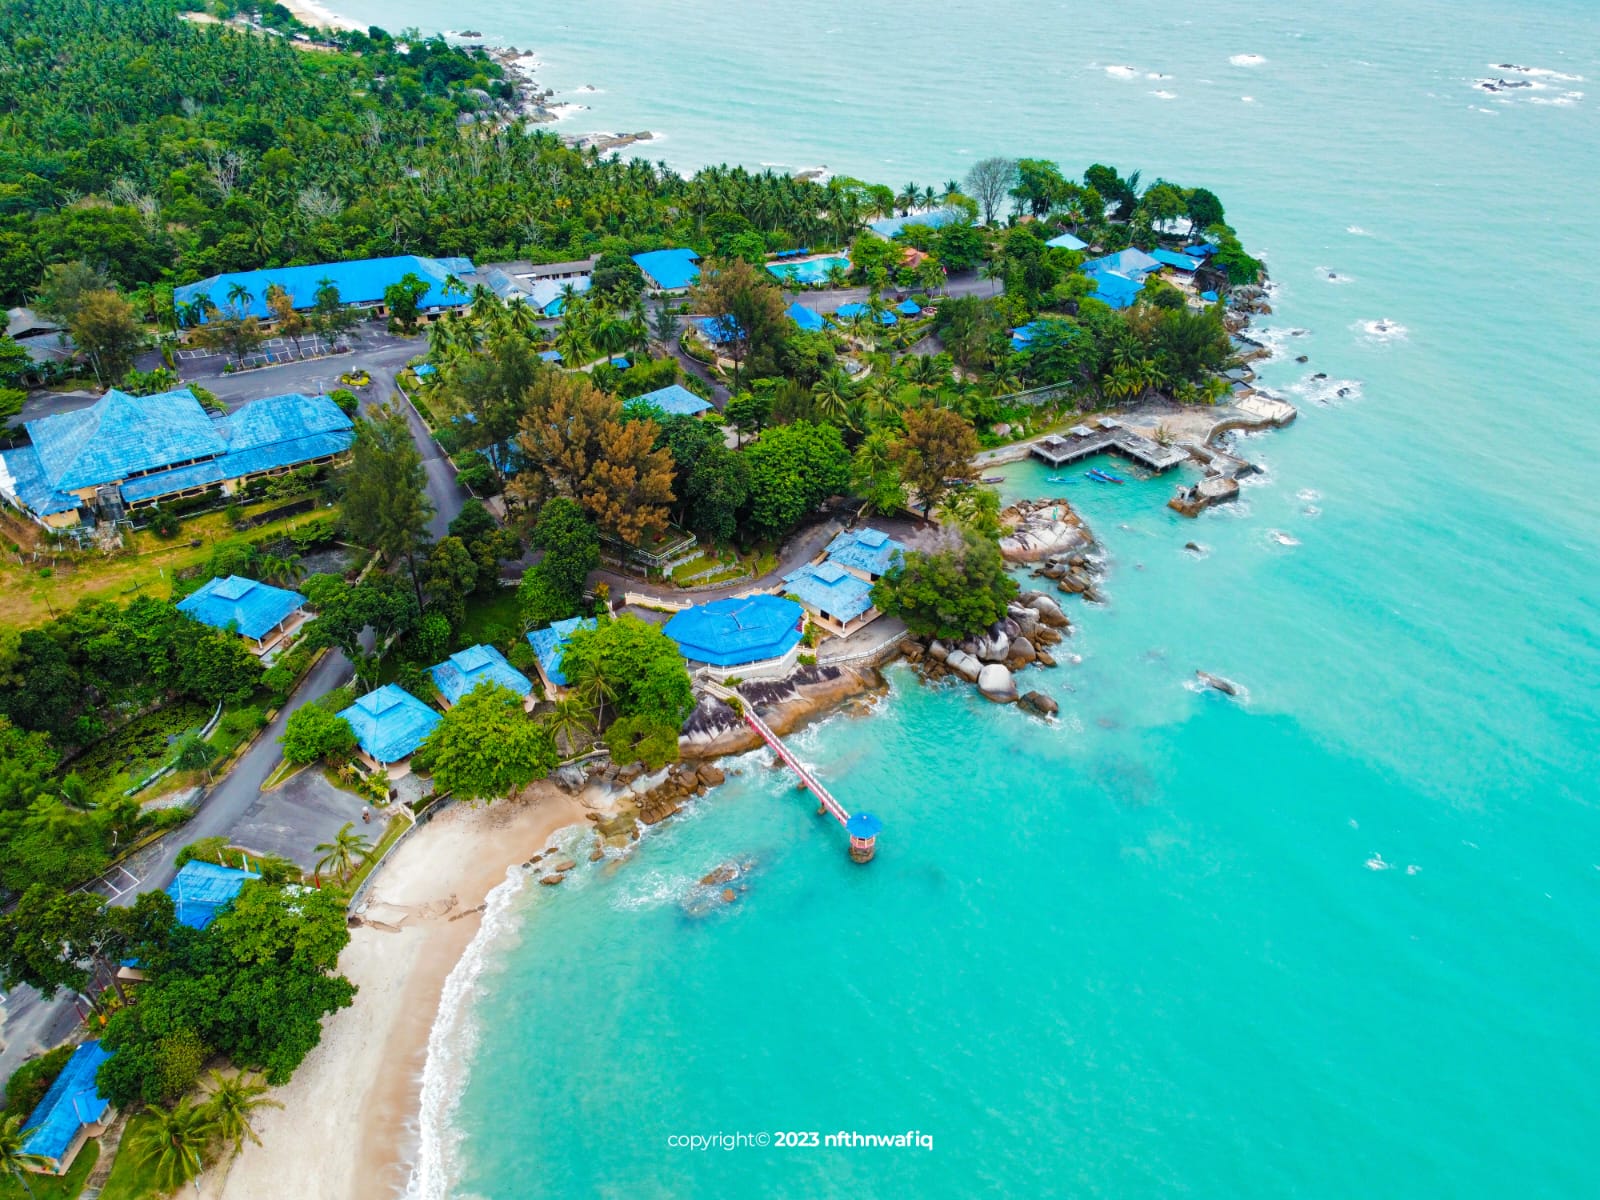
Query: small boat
column 1097, row 474
column 1059, row 479
column 993, row 479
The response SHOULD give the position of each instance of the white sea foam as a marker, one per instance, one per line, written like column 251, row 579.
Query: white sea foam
column 1122, row 72
column 1356, row 231
column 1325, row 389
column 1156, row 75
column 1376, row 863
column 1383, row 330
column 1536, row 72
column 569, row 108
column 1329, row 275
column 1248, row 99
column 1282, row 538
column 1246, row 60
column 1311, row 510
column 1165, row 95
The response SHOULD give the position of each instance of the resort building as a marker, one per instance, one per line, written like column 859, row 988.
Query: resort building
column 201, row 889
column 70, row 1113
column 674, row 400
column 740, row 631
column 466, row 669
column 549, row 644
column 1066, row 241
column 837, row 600
column 1132, row 262
column 865, row 553
column 669, row 270
column 1119, row 291
column 890, row 228
column 849, row 312
column 129, row 451
column 258, row 612
column 46, row 342
column 361, row 284
column 390, row 724
column 1180, row 263
column 809, row 320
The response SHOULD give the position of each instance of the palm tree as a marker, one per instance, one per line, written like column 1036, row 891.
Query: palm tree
column 173, row 1142
column 15, row 1162
column 832, row 394
column 233, row 1099
column 239, row 298
column 568, row 719
column 343, row 853
column 596, row 691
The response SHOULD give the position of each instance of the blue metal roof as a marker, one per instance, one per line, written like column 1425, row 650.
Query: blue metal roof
column 390, row 723
column 670, row 269
column 200, row 889
column 908, row 308
column 1170, row 258
column 1066, row 241
column 863, row 825
column 827, row 587
column 674, row 400
column 849, row 311
column 466, row 669
column 1201, row 249
column 733, row 631
column 23, row 479
column 551, row 642
column 119, row 435
column 73, row 1101
column 869, row 550
column 720, row 330
column 890, row 227
column 423, row 370
column 360, row 282
column 1131, row 262
column 251, row 608
column 808, row 319
column 1209, row 297
column 551, row 356
column 1116, row 290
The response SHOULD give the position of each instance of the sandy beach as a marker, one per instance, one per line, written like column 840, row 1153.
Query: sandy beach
column 347, row 1127
column 312, row 13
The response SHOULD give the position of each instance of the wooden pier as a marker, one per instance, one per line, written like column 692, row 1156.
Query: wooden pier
column 1106, row 436
column 862, row 827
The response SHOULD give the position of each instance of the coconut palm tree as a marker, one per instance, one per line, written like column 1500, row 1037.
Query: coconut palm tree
column 831, row 394
column 172, row 1142
column 343, row 853
column 569, row 719
column 596, row 691
column 239, row 298
column 232, row 1100
column 15, row 1162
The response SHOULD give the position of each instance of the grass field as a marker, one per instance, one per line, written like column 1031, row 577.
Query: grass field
column 49, row 1187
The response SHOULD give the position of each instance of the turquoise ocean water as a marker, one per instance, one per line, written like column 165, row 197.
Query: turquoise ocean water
column 1338, row 939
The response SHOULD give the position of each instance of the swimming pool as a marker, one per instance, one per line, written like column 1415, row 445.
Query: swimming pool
column 811, row 271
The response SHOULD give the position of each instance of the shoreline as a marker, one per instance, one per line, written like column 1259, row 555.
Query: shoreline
column 422, row 915
column 310, row 12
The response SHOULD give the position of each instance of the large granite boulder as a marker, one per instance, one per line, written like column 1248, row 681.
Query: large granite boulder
column 993, row 647
column 1038, row 702
column 965, row 665
column 995, row 682
column 1025, row 619
column 938, row 650
column 1049, row 611
column 1037, row 529
column 1022, row 650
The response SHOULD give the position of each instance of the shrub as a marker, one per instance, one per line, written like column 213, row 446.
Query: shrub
column 30, row 1081
column 313, row 732
column 178, row 1059
column 347, row 400
column 654, row 743
column 242, row 722
column 164, row 523
column 206, row 850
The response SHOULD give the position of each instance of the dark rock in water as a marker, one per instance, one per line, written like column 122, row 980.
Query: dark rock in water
column 1303, row 358
column 728, row 896
column 1194, row 546
column 596, row 854
column 1038, row 702
column 726, row 873
column 1045, row 659
column 551, row 880
column 1320, row 375
column 1226, row 686
column 711, row 775
column 566, row 864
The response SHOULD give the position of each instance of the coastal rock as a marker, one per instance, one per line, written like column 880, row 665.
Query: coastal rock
column 1025, row 619
column 628, row 772
column 995, row 682
column 596, row 854
column 1045, row 659
column 1073, row 584
column 1009, row 627
column 1216, row 682
column 645, row 784
column 569, row 778
column 1049, row 611
column 566, row 864
column 711, row 775
column 551, row 880
column 1038, row 702
column 994, row 648
column 1039, row 529
column 1022, row 649
column 729, row 895
column 965, row 665
column 938, row 650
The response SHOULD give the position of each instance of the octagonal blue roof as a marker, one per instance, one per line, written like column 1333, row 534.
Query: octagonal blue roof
column 251, row 608
column 736, row 630
column 390, row 723
column 466, row 669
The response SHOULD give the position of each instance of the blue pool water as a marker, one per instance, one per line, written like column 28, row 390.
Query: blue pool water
column 811, row 271
column 1335, row 939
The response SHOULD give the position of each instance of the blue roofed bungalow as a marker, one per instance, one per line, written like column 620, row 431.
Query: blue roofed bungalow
column 467, row 669
column 738, row 631
column 1132, row 262
column 70, row 1113
column 849, row 312
column 258, row 612
column 1118, row 291
column 809, row 320
column 201, row 889
column 669, row 270
column 390, row 725
column 865, row 553
column 127, row 451
column 549, row 644
column 1178, row 262
column 890, row 228
column 836, row 599
column 674, row 400
column 1067, row 241
column 361, row 283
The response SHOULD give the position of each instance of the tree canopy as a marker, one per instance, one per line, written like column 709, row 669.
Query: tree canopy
column 486, row 747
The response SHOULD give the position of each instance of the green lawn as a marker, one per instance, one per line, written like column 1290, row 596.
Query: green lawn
column 48, row 1187
column 491, row 615
column 129, row 1180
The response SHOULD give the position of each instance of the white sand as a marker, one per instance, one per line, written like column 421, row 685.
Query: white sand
column 310, row 12
column 347, row 1127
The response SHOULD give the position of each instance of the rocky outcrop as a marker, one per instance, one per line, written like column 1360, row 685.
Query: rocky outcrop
column 938, row 650
column 1217, row 683
column 1041, row 529
column 1039, row 703
column 992, row 648
column 1048, row 610
column 570, row 778
column 965, row 665
column 1022, row 652
column 995, row 682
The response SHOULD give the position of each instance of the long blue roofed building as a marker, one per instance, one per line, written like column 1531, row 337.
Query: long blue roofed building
column 361, row 284
column 126, row 452
column 70, row 1113
column 669, row 270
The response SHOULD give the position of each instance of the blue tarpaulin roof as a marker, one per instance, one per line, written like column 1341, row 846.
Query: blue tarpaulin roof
column 908, row 308
column 200, row 889
column 1067, row 241
column 720, row 330
column 72, row 1102
column 390, row 723
column 253, row 609
column 733, row 631
column 550, row 356
column 674, row 400
column 808, row 319
column 1130, row 262
column 423, row 370
column 1209, row 297
column 550, row 643
column 360, row 282
column 1201, row 249
column 1023, row 335
column 22, row 478
column 828, row 587
column 1170, row 258
column 1116, row 290
column 119, row 435
column 890, row 227
column 869, row 550
column 848, row 312
column 466, row 669
column 669, row 269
